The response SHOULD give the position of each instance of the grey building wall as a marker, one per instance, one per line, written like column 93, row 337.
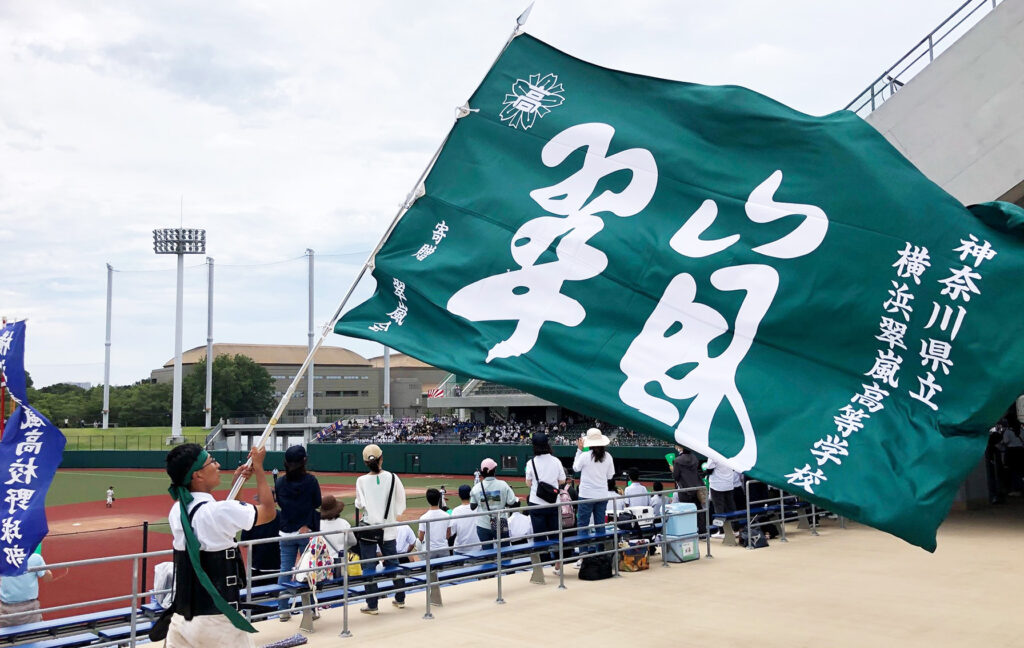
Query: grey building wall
column 960, row 119
column 343, row 390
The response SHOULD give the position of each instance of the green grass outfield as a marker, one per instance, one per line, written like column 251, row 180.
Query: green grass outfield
column 127, row 438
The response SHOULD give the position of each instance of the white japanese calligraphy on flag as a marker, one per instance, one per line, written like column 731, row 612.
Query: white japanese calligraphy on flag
column 30, row 453
column 710, row 267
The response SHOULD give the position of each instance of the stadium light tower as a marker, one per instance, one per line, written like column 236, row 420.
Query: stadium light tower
column 179, row 241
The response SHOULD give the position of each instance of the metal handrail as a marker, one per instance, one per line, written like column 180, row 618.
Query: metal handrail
column 138, row 595
column 898, row 74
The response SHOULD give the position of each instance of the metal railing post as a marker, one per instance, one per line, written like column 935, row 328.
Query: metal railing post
column 664, row 537
column 561, row 549
column 497, row 533
column 814, row 519
column 750, row 532
column 931, row 49
column 782, row 516
column 707, row 520
column 615, row 538
column 344, row 596
column 426, row 558
column 248, row 581
column 135, row 601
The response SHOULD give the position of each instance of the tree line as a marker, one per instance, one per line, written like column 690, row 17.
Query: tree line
column 240, row 388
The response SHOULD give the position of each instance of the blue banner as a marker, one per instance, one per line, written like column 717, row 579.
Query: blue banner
column 30, row 453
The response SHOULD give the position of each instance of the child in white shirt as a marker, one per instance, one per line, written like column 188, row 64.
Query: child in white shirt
column 439, row 523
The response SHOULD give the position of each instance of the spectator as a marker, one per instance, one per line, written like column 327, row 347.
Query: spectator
column 543, row 467
column 490, row 495
column 686, row 474
column 464, row 529
column 20, row 594
column 570, row 488
column 405, row 542
column 595, row 467
column 298, row 494
column 1013, row 453
column 381, row 496
column 721, row 483
column 520, row 525
column 657, row 500
column 636, row 493
column 616, row 503
column 438, row 524
column 266, row 558
column 336, row 529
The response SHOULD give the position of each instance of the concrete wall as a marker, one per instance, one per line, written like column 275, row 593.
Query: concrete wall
column 960, row 119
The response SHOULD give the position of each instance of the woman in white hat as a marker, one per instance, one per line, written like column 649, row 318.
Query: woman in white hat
column 380, row 496
column 595, row 467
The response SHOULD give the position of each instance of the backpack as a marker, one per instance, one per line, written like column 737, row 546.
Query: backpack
column 315, row 556
column 566, row 511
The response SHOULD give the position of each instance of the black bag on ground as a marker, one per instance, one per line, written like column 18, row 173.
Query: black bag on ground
column 596, row 568
column 755, row 538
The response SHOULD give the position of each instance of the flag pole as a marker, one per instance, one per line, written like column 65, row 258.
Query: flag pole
column 410, row 199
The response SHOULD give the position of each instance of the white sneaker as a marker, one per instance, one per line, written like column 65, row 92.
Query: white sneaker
column 577, row 564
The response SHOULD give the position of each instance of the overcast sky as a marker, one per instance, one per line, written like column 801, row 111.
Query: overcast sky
column 286, row 126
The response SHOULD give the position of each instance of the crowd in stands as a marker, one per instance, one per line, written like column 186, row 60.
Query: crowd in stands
column 447, row 429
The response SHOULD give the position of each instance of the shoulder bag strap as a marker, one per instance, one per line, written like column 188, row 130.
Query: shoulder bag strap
column 192, row 513
column 391, row 491
column 536, row 475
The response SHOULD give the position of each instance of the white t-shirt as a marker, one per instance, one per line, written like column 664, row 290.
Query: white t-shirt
column 336, row 534
column 722, row 477
column 372, row 497
column 519, row 524
column 550, row 471
column 594, row 475
column 439, row 525
column 636, row 494
column 215, row 524
column 465, row 529
column 657, row 504
column 615, row 504
column 404, row 539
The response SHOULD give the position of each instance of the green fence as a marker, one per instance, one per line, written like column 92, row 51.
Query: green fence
column 404, row 458
column 125, row 441
column 412, row 458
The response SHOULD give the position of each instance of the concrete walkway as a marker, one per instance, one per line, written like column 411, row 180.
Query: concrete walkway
column 854, row 587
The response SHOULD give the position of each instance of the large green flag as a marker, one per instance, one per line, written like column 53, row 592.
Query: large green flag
column 783, row 292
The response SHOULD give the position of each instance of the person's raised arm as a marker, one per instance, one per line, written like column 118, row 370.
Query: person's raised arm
column 266, row 511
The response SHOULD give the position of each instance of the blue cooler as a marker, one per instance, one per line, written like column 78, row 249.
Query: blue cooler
column 682, row 541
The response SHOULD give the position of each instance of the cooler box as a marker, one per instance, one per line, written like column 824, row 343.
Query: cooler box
column 681, row 540
column 682, row 549
column 680, row 525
